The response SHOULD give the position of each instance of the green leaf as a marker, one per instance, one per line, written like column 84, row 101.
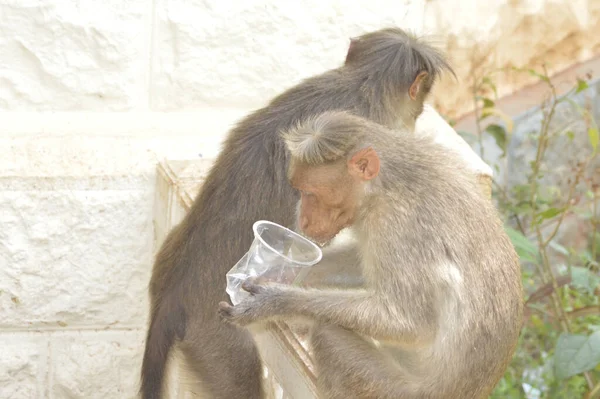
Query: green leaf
column 570, row 135
column 559, row 248
column 548, row 214
column 499, row 135
column 575, row 354
column 526, row 250
column 485, row 112
column 581, row 86
column 487, row 103
column 533, row 72
column 539, row 75
column 488, row 81
column 585, row 257
column 584, row 278
column 594, row 137
column 449, row 120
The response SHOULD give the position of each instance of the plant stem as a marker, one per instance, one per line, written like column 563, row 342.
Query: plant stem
column 594, row 392
column 594, row 221
column 561, row 218
column 541, row 150
column 556, row 299
column 514, row 215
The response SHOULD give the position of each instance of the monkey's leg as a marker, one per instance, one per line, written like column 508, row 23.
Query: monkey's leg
column 215, row 356
column 349, row 366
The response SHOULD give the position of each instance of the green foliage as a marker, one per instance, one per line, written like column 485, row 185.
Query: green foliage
column 499, row 134
column 575, row 354
column 583, row 278
column 581, row 86
column 526, row 250
column 547, row 214
column 558, row 354
column 593, row 135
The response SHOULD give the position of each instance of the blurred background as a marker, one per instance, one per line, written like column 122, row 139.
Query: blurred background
column 93, row 94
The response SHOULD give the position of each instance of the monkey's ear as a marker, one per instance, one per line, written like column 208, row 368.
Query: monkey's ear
column 351, row 50
column 364, row 164
column 416, row 86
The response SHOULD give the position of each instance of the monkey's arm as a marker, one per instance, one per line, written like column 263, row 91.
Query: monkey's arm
column 357, row 310
column 340, row 267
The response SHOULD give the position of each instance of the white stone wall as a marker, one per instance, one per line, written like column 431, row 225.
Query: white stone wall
column 92, row 95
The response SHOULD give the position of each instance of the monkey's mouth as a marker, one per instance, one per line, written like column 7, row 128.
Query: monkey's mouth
column 323, row 241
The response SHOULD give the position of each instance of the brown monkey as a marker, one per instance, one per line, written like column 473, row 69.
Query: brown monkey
column 443, row 295
column 386, row 77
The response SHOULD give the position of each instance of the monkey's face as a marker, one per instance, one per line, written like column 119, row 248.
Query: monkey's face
column 329, row 201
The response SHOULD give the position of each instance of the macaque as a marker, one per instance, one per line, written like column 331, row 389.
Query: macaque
column 440, row 312
column 386, row 77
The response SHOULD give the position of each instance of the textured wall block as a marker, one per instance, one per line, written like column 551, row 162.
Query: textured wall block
column 65, row 55
column 506, row 34
column 242, row 53
column 96, row 365
column 23, row 366
column 74, row 257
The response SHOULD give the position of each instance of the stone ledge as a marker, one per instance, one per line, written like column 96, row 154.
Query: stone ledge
column 204, row 121
column 91, row 145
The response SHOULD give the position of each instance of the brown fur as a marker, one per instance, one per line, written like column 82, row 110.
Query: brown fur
column 247, row 183
column 442, row 296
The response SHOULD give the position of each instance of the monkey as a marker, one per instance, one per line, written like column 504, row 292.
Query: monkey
column 440, row 313
column 386, row 77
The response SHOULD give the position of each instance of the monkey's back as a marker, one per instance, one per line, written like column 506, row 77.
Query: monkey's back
column 490, row 311
column 454, row 241
column 246, row 183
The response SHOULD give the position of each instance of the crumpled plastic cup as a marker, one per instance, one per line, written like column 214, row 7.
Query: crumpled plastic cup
column 276, row 255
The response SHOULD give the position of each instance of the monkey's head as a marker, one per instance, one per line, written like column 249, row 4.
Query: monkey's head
column 332, row 170
column 397, row 66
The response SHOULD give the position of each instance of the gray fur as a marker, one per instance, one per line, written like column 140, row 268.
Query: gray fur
column 247, row 183
column 442, row 293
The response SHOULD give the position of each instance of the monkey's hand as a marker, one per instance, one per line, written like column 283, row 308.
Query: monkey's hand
column 261, row 304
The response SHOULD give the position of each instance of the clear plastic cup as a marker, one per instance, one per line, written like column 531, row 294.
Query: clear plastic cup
column 277, row 255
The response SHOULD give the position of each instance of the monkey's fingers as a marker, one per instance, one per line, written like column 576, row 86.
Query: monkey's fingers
column 251, row 286
column 237, row 315
column 225, row 310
